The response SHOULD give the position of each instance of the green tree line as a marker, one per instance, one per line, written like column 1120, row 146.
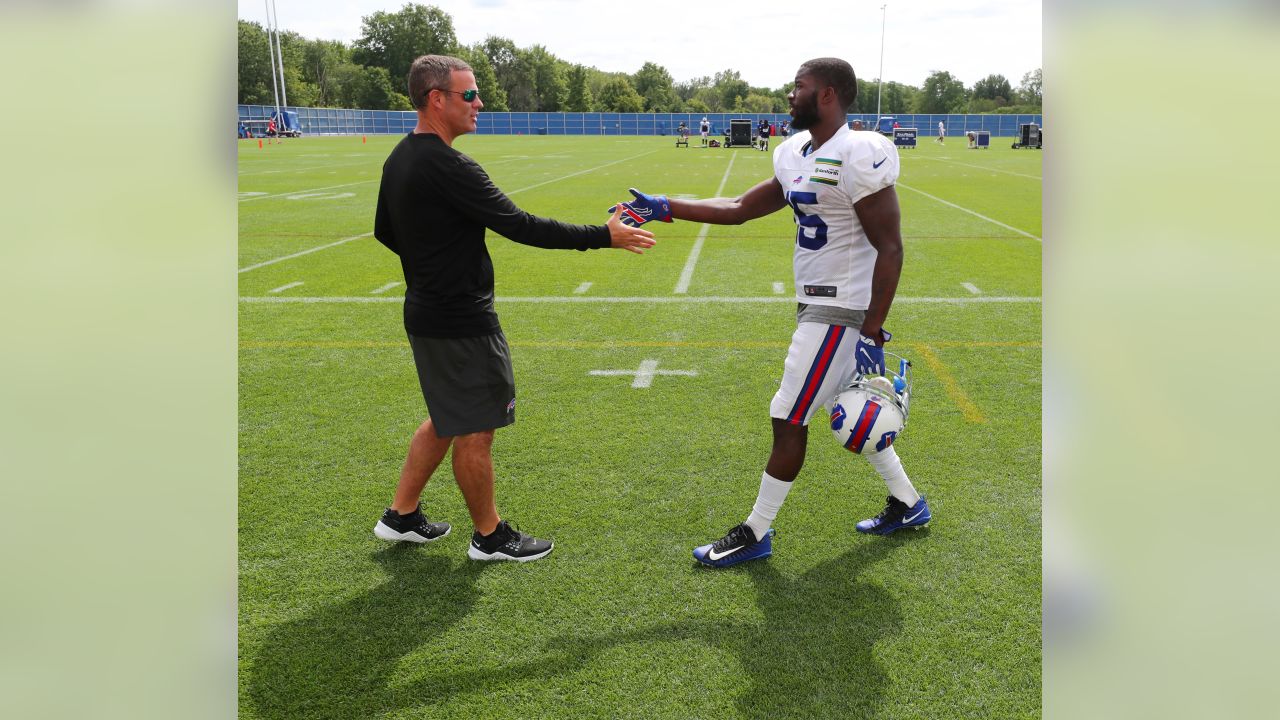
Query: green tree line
column 370, row 74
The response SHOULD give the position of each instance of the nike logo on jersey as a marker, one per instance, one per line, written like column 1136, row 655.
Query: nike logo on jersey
column 877, row 165
column 913, row 517
column 797, row 180
column 713, row 555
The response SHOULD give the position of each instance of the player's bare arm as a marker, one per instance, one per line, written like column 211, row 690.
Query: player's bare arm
column 765, row 198
column 881, row 219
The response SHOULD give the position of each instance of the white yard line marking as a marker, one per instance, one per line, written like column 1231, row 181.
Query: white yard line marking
column 980, row 167
column 305, row 169
column 971, row 288
column 644, row 375
column 282, row 288
column 304, row 252
column 582, row 288
column 977, row 215
column 779, row 288
column 385, row 288
column 658, row 299
column 686, row 275
column 580, row 172
column 307, row 190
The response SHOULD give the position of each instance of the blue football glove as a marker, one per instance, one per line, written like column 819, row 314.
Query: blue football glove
column 870, row 354
column 645, row 208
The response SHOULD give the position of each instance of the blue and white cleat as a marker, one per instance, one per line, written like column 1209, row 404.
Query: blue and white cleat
column 740, row 545
column 895, row 516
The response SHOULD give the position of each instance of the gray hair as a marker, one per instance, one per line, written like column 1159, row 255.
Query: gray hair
column 431, row 72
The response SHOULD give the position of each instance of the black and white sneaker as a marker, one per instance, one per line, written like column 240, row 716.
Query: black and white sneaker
column 507, row 543
column 413, row 527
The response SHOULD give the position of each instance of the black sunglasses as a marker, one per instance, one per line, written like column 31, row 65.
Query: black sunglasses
column 467, row 95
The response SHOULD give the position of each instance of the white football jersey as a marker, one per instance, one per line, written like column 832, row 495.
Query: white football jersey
column 833, row 258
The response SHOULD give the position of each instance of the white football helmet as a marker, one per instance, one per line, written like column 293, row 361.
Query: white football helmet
column 870, row 413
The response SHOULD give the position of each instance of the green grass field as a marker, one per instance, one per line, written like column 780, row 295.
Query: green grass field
column 620, row 622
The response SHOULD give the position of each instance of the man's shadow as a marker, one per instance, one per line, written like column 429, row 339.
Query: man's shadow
column 810, row 656
column 336, row 664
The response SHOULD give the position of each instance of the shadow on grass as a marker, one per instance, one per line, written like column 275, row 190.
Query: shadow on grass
column 335, row 664
column 811, row 655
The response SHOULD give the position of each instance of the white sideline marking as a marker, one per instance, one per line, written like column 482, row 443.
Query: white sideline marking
column 686, row 275
column 320, row 196
column 644, row 376
column 304, row 252
column 980, row 167
column 282, row 288
column 977, row 215
column 305, row 169
column 582, row 288
column 657, row 299
column 385, row 288
column 298, row 192
column 971, row 288
column 779, row 288
column 580, row 172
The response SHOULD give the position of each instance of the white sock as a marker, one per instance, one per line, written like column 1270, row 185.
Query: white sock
column 886, row 463
column 773, row 492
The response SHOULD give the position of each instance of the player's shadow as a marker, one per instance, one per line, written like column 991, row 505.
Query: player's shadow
column 810, row 656
column 335, row 664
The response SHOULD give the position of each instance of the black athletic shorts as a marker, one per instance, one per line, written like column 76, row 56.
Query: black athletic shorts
column 467, row 382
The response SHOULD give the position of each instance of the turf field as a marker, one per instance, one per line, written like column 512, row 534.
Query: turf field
column 620, row 621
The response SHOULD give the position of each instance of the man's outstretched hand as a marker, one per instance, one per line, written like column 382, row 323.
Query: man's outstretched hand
column 628, row 237
column 644, row 208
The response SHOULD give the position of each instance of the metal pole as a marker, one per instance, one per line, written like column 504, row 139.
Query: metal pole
column 284, row 97
column 275, row 91
column 880, row 80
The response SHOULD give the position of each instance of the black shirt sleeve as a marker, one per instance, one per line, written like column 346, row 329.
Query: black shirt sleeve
column 383, row 229
column 474, row 195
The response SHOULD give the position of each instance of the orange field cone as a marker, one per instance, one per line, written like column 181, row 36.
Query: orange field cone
column 259, row 143
column 363, row 139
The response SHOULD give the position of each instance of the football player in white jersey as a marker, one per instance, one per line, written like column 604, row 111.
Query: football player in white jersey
column 848, row 258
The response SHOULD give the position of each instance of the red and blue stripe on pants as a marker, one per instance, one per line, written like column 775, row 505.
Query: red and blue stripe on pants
column 817, row 373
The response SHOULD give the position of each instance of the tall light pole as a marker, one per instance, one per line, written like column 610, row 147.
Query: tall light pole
column 271, row 55
column 284, row 97
column 880, row 81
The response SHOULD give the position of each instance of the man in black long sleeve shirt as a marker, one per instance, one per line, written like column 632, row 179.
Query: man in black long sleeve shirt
column 434, row 205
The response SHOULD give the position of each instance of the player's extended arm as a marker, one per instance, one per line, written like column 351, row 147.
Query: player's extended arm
column 765, row 198
column 880, row 217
